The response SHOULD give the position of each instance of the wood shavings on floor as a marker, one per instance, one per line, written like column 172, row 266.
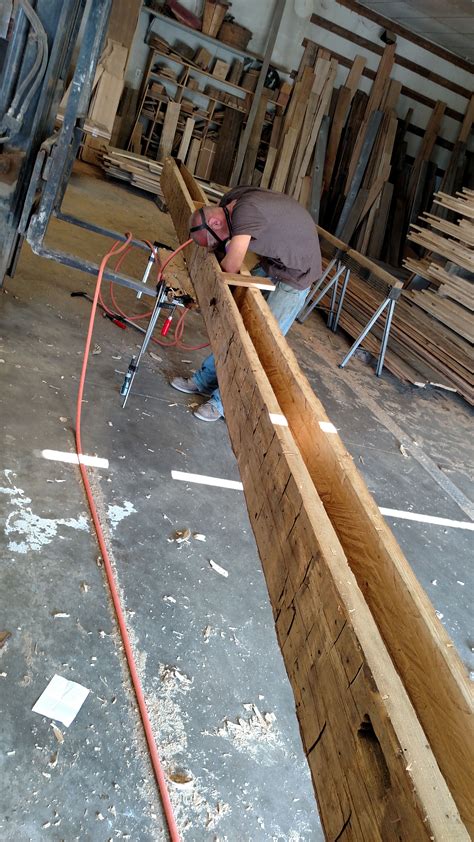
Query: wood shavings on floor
column 255, row 735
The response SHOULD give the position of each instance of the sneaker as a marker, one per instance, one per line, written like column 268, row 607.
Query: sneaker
column 208, row 412
column 183, row 384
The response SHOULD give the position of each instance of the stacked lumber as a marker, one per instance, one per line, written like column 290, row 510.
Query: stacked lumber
column 343, row 153
column 447, row 265
column 422, row 349
column 105, row 94
column 104, row 103
column 309, row 103
column 143, row 173
column 387, row 741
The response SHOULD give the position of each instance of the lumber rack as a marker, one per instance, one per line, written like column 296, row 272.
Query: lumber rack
column 344, row 260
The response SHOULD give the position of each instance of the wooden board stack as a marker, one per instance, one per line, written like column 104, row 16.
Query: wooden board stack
column 308, row 105
column 343, row 153
column 432, row 336
column 143, row 173
column 421, row 350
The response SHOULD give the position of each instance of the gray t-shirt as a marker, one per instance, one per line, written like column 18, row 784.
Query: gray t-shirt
column 283, row 234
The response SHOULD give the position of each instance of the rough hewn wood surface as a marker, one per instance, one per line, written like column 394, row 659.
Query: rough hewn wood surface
column 374, row 773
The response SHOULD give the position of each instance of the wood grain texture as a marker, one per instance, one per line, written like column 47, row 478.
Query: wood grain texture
column 169, row 129
column 373, row 770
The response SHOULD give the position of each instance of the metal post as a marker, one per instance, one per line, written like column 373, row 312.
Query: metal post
column 132, row 369
column 341, row 299
column 331, row 284
column 364, row 333
column 333, row 299
column 63, row 153
column 386, row 332
column 302, row 315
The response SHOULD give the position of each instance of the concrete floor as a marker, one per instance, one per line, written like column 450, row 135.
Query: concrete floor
column 204, row 643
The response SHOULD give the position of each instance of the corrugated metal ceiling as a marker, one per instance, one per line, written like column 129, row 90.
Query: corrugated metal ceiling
column 449, row 23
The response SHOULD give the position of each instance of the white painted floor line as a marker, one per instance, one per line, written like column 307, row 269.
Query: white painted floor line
column 74, row 459
column 200, row 479
column 438, row 521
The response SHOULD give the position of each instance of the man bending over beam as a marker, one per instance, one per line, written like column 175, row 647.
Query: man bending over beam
column 283, row 235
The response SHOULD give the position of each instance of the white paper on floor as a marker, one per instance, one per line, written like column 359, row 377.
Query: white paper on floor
column 61, row 700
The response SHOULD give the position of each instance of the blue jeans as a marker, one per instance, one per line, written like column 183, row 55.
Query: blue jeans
column 285, row 302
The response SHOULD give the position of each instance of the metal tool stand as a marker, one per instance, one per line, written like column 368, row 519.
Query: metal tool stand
column 317, row 293
column 163, row 300
column 389, row 302
column 149, row 266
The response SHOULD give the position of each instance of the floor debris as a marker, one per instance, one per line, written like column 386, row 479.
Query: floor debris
column 57, row 733
column 218, row 568
column 61, row 700
column 180, row 536
column 4, row 635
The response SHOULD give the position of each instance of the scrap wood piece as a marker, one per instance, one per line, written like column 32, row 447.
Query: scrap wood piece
column 341, row 112
column 320, row 73
column 169, row 129
column 234, row 279
column 445, row 246
column 269, row 165
column 308, row 59
column 348, row 694
column 374, row 102
column 355, row 72
column 369, row 137
column 228, row 137
column 461, row 203
column 186, row 138
column 284, row 161
column 316, row 180
column 321, row 110
column 426, row 146
column 250, row 157
column 379, row 229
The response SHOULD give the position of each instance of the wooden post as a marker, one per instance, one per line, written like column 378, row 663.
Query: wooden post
column 272, row 36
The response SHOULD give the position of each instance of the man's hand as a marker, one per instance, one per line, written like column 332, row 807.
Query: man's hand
column 236, row 252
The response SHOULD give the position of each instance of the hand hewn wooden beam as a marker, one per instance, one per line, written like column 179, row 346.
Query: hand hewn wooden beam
column 423, row 653
column 373, row 770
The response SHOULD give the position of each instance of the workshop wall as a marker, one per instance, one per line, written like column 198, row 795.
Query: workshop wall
column 296, row 26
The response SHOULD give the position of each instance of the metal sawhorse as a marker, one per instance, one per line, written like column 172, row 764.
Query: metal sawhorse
column 321, row 288
column 342, row 257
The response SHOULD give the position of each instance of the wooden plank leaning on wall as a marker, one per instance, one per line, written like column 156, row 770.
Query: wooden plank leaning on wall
column 373, row 771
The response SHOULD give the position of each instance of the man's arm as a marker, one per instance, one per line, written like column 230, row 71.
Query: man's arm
column 236, row 252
